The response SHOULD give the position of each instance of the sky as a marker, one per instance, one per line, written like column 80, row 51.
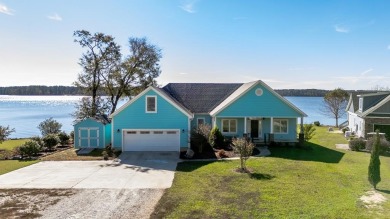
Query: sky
column 296, row 44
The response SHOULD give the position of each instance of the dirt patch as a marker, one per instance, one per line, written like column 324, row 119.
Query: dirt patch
column 28, row 203
column 373, row 199
column 342, row 146
column 78, row 203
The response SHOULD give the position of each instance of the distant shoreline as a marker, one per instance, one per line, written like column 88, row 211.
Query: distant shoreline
column 40, row 90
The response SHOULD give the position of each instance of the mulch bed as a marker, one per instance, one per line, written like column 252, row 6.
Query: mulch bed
column 9, row 155
column 215, row 154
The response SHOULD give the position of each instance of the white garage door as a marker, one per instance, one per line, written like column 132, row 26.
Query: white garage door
column 151, row 140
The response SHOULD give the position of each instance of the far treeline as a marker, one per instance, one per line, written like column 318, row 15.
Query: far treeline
column 40, row 90
column 71, row 90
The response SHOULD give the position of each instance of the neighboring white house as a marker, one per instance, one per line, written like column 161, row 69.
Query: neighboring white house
column 368, row 112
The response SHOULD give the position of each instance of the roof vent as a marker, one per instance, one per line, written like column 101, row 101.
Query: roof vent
column 259, row 92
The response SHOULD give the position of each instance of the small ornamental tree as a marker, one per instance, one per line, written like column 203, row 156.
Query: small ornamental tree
column 50, row 140
column 49, row 126
column 5, row 131
column 374, row 174
column 244, row 148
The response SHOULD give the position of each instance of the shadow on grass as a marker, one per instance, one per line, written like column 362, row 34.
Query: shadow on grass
column 189, row 166
column 384, row 191
column 261, row 176
column 310, row 152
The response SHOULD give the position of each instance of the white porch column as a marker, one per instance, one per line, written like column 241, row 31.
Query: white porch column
column 214, row 122
column 245, row 125
column 301, row 126
column 272, row 125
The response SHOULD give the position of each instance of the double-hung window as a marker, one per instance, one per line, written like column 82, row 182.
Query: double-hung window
column 229, row 125
column 151, row 104
column 281, row 126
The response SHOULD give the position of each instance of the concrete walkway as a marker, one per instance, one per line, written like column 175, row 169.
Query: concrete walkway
column 132, row 171
column 264, row 151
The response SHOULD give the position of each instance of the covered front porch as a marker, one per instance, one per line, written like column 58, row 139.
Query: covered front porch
column 259, row 129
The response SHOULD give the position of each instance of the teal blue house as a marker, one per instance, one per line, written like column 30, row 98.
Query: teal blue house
column 161, row 119
column 92, row 132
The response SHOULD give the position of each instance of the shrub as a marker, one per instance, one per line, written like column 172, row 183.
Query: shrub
column 357, row 144
column 384, row 145
column 29, row 149
column 105, row 155
column 64, row 138
column 39, row 141
column 216, row 138
column 308, row 131
column 316, row 123
column 49, row 126
column 50, row 140
column 71, row 134
column 345, row 129
column 109, row 150
column 199, row 137
column 244, row 148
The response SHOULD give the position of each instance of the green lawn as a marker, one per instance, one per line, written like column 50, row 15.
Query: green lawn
column 10, row 165
column 317, row 182
column 11, row 144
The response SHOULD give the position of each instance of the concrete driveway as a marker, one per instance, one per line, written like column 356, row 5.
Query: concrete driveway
column 135, row 170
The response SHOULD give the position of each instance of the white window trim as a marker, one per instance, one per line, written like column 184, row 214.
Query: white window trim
column 146, row 104
column 229, row 132
column 286, row 125
column 200, row 118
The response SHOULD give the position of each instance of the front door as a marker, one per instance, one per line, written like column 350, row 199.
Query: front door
column 254, row 128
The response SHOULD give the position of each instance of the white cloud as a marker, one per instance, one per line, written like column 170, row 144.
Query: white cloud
column 55, row 17
column 5, row 10
column 341, row 29
column 366, row 71
column 188, row 6
column 183, row 73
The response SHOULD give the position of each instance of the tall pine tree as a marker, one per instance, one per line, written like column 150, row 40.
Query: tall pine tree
column 374, row 172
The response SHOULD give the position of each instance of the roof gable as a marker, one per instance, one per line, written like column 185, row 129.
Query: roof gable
column 375, row 107
column 200, row 97
column 103, row 119
column 242, row 90
column 160, row 93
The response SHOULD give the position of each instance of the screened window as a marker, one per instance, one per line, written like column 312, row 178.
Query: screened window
column 151, row 104
column 229, row 125
column 280, row 126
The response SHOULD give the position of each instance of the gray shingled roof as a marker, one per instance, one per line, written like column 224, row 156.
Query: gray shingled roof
column 200, row 97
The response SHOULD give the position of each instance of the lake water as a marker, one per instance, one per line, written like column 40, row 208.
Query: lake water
column 24, row 113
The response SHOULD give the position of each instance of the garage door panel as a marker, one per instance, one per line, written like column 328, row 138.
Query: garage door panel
column 151, row 140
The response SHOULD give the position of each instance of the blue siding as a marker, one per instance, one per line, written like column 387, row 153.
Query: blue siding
column 107, row 134
column 135, row 117
column 88, row 123
column 266, row 105
column 207, row 118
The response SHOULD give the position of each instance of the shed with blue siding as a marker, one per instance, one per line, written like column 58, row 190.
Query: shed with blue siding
column 92, row 132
